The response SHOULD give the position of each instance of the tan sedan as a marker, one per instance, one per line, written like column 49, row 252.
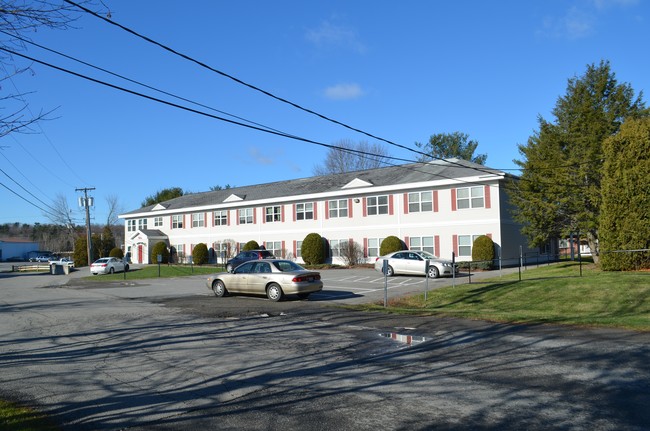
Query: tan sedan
column 271, row 277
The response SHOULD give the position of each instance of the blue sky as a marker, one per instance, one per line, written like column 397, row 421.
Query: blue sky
column 398, row 70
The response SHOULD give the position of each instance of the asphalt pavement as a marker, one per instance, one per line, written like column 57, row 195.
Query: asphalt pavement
column 165, row 354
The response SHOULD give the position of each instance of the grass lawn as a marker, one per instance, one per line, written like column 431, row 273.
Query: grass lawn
column 151, row 271
column 555, row 294
column 17, row 418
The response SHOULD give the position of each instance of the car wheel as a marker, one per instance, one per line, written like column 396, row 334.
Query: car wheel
column 229, row 268
column 303, row 295
column 126, row 268
column 433, row 272
column 274, row 292
column 390, row 271
column 111, row 271
column 219, row 289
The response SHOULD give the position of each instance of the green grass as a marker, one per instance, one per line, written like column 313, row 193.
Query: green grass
column 16, row 418
column 555, row 294
column 151, row 271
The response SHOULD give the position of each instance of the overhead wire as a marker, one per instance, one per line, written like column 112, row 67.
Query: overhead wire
column 251, row 126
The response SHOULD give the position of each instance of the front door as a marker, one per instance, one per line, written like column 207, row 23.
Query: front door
column 139, row 253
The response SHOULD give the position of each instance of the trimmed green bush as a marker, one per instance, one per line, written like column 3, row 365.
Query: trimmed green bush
column 116, row 252
column 159, row 248
column 200, row 254
column 251, row 245
column 483, row 252
column 389, row 245
column 313, row 249
column 80, row 254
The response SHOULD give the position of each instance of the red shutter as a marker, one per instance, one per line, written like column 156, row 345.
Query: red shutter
column 315, row 210
column 237, row 216
column 282, row 213
column 212, row 222
column 435, row 201
column 206, row 220
column 263, row 215
column 365, row 213
column 254, row 215
column 171, row 222
column 390, row 204
column 283, row 256
column 228, row 217
column 406, row 203
column 406, row 241
column 350, row 208
column 455, row 239
column 294, row 212
column 184, row 224
column 295, row 248
column 487, row 197
column 453, row 199
column 436, row 244
column 365, row 243
column 327, row 210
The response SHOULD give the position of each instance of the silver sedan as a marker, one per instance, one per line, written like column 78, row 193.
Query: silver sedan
column 414, row 262
column 271, row 277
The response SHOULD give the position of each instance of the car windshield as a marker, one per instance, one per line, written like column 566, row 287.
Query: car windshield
column 287, row 265
column 427, row 255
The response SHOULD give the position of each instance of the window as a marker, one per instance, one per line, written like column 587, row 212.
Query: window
column 157, row 221
column 198, row 220
column 221, row 218
column 465, row 244
column 470, row 197
column 377, row 205
column 275, row 247
column 336, row 245
column 338, row 208
column 130, row 226
column 273, row 214
column 420, row 202
column 298, row 247
column 142, row 224
column 305, row 211
column 373, row 246
column 177, row 221
column 178, row 254
column 245, row 215
column 423, row 243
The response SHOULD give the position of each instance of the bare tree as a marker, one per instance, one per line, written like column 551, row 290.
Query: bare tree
column 114, row 210
column 351, row 253
column 19, row 18
column 349, row 156
column 61, row 215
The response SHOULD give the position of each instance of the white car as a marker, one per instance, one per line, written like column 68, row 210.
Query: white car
column 64, row 261
column 414, row 262
column 108, row 265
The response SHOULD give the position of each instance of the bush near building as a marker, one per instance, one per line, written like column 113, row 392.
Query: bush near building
column 251, row 245
column 200, row 254
column 483, row 252
column 312, row 249
column 116, row 252
column 390, row 244
column 159, row 248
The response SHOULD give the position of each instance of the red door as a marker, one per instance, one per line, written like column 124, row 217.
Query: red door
column 139, row 254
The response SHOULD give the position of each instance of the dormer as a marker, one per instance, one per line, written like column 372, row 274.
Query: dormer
column 357, row 183
column 159, row 207
column 234, row 198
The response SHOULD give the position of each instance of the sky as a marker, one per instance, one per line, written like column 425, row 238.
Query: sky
column 401, row 71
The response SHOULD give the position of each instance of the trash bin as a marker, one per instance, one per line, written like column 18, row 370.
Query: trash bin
column 56, row 269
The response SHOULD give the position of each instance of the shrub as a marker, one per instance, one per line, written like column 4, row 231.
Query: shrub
column 160, row 248
column 483, row 252
column 251, row 245
column 389, row 245
column 80, row 254
column 351, row 253
column 313, row 249
column 116, row 252
column 200, row 254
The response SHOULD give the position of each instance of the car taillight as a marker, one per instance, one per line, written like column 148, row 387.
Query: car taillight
column 305, row 278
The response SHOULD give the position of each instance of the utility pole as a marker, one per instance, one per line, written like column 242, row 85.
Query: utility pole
column 86, row 202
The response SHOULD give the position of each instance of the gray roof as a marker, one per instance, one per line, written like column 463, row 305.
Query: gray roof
column 403, row 174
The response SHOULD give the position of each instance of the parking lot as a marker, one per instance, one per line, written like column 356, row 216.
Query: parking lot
column 165, row 354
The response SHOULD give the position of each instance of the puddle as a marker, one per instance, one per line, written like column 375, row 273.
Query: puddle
column 403, row 339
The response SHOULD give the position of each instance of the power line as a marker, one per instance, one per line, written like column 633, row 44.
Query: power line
column 253, row 87
column 25, row 199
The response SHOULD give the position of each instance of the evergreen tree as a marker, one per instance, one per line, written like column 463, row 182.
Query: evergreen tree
column 451, row 145
column 625, row 216
column 559, row 191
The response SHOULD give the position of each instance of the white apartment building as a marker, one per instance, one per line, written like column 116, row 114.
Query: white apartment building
column 440, row 206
